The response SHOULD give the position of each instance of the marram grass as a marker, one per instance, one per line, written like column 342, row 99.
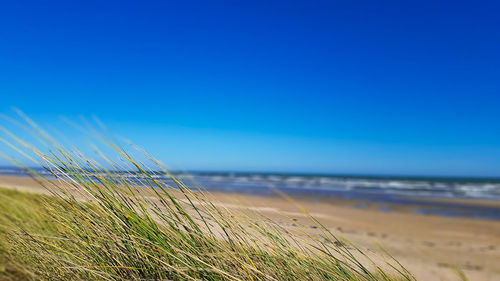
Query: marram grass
column 98, row 224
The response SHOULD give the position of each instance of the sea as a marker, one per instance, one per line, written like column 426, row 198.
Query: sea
column 387, row 192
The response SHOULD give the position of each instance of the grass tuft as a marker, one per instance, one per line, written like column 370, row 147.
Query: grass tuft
column 117, row 220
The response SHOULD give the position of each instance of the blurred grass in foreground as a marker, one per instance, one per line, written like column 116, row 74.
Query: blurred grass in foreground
column 102, row 225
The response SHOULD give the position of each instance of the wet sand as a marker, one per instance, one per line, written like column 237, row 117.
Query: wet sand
column 426, row 244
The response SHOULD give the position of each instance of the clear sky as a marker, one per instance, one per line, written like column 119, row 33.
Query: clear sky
column 337, row 86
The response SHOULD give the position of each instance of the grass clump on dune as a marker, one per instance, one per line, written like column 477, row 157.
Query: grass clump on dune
column 101, row 224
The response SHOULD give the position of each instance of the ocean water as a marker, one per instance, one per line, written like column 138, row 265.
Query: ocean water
column 382, row 190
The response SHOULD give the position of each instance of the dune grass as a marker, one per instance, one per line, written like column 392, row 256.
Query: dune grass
column 100, row 224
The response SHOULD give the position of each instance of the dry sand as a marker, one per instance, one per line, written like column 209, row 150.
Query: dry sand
column 426, row 245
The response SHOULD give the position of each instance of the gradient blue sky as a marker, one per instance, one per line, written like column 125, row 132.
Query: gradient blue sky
column 392, row 87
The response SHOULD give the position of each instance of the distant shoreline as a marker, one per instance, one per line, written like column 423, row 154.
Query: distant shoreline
column 440, row 178
column 384, row 195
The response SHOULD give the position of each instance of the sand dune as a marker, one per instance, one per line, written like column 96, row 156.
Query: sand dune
column 427, row 245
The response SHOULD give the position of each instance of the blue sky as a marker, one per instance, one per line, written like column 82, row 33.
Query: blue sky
column 394, row 87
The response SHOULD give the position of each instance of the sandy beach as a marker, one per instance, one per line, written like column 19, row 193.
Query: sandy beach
column 428, row 245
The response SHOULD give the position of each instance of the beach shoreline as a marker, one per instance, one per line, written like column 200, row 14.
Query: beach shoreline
column 428, row 245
